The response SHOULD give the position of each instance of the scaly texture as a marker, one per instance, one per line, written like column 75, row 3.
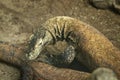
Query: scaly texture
column 32, row 70
column 92, row 47
column 93, row 50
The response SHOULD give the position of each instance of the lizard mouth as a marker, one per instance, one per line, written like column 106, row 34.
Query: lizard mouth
column 40, row 43
column 37, row 50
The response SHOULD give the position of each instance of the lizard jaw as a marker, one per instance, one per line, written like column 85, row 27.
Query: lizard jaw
column 37, row 50
column 39, row 46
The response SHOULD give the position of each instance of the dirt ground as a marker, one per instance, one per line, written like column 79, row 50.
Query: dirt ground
column 19, row 18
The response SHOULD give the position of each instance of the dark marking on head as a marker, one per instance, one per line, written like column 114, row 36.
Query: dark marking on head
column 63, row 31
column 53, row 37
column 37, row 34
column 58, row 30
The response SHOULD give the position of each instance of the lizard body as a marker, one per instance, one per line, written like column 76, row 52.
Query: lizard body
column 93, row 49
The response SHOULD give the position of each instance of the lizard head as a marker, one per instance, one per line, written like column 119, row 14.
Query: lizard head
column 37, row 42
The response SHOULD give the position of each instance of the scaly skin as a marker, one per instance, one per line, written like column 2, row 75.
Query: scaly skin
column 40, row 71
column 48, row 72
column 60, row 54
column 92, row 47
column 32, row 70
column 93, row 50
column 15, row 55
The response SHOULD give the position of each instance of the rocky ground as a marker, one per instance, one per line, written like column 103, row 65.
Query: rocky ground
column 19, row 18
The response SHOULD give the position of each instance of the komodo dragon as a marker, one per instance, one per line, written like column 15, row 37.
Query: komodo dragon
column 40, row 71
column 92, row 49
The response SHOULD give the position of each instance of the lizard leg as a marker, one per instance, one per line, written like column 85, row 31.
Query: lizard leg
column 61, row 60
